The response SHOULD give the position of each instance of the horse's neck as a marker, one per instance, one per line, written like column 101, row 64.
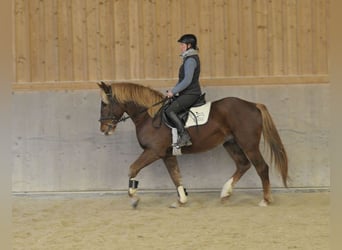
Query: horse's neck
column 136, row 113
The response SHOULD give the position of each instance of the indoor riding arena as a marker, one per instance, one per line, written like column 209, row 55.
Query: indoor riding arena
column 70, row 181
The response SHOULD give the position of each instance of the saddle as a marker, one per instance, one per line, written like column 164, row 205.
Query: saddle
column 192, row 112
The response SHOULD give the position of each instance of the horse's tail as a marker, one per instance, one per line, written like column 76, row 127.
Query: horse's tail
column 272, row 138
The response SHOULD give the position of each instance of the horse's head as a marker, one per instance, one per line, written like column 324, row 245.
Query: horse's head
column 111, row 110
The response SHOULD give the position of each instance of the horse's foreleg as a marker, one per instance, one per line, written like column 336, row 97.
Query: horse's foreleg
column 173, row 169
column 242, row 165
column 146, row 158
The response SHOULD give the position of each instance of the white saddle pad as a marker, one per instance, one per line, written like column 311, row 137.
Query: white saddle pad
column 198, row 115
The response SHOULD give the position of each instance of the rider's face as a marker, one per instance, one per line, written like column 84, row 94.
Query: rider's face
column 183, row 47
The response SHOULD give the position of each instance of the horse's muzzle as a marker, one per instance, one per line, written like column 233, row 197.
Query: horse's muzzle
column 107, row 129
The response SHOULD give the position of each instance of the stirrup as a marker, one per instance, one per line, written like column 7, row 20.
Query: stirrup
column 186, row 141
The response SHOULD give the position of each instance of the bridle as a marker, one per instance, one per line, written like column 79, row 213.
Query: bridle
column 114, row 120
column 111, row 117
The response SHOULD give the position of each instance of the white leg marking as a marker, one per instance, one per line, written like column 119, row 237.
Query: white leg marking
column 227, row 188
column 182, row 197
column 263, row 203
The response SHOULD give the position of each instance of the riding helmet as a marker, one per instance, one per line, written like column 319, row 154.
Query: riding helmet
column 189, row 39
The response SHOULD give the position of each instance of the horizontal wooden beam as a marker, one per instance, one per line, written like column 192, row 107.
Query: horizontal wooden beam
column 155, row 83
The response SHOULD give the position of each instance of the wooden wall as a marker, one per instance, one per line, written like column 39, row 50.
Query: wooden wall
column 71, row 44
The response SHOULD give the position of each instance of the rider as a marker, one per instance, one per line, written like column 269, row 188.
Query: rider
column 188, row 89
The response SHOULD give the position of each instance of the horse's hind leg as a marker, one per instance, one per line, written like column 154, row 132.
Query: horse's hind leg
column 173, row 169
column 242, row 165
column 262, row 169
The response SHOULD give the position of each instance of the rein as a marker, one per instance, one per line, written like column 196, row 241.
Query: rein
column 124, row 118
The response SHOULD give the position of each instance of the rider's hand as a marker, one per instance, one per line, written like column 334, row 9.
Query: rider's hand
column 169, row 94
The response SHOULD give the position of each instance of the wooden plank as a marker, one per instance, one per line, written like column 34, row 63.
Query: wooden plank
column 276, row 38
column 79, row 39
column 205, row 36
column 176, row 32
column 305, row 46
column 320, row 48
column 22, row 41
column 37, row 40
column 65, row 48
column 290, row 36
column 246, row 33
column 266, row 80
column 262, row 26
column 219, row 39
column 149, row 41
column 233, row 33
column 134, row 39
column 121, row 39
column 141, row 51
column 51, row 41
column 227, row 39
column 92, row 36
column 159, row 83
column 191, row 15
column 106, row 65
column 163, row 39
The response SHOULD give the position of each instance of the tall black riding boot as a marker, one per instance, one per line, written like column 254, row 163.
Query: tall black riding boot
column 183, row 135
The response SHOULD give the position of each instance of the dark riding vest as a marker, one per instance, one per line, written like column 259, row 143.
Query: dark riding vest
column 194, row 87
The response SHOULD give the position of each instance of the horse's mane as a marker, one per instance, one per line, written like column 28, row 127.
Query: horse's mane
column 141, row 95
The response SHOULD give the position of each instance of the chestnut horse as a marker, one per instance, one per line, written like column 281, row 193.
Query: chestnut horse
column 235, row 123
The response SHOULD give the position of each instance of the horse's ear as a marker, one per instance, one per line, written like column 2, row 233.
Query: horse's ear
column 104, row 87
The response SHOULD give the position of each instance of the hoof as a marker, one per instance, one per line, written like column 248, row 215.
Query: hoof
column 177, row 204
column 224, row 199
column 263, row 203
column 135, row 202
column 174, row 205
